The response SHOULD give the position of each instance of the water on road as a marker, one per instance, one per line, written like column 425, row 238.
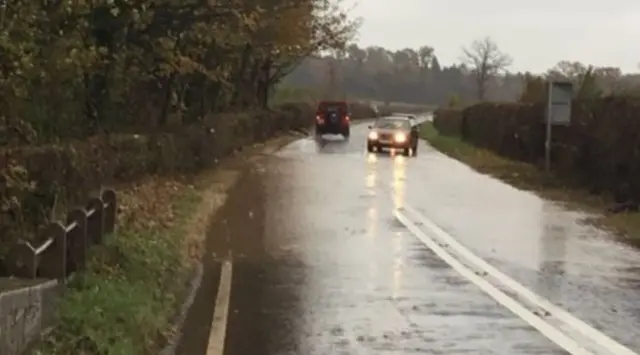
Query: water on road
column 321, row 266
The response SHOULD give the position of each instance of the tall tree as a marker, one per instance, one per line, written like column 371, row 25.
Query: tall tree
column 485, row 60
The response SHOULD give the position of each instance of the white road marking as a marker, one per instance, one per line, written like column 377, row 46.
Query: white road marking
column 559, row 338
column 580, row 326
column 221, row 312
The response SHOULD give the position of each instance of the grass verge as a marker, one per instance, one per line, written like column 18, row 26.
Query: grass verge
column 529, row 177
column 128, row 299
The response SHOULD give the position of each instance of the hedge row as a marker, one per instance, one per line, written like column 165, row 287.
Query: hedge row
column 35, row 179
column 599, row 150
column 448, row 121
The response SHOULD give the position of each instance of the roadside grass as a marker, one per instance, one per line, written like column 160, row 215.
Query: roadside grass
column 126, row 299
column 529, row 177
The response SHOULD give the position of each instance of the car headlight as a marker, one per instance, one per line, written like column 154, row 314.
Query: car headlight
column 373, row 135
column 400, row 137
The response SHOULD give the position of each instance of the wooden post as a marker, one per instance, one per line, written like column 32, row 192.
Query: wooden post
column 95, row 220
column 77, row 239
column 53, row 260
column 110, row 211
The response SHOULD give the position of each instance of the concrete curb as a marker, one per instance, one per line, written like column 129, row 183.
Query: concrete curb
column 178, row 323
column 25, row 313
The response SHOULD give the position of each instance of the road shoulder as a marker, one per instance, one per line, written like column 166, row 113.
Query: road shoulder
column 153, row 268
column 625, row 225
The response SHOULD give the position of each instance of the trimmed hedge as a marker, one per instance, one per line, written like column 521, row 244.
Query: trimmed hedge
column 36, row 179
column 600, row 150
column 448, row 121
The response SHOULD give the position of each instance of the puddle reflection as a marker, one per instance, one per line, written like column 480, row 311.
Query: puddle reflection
column 553, row 250
column 399, row 177
column 398, row 264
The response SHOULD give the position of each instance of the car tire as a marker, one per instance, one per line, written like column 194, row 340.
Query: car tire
column 346, row 133
column 407, row 152
column 371, row 148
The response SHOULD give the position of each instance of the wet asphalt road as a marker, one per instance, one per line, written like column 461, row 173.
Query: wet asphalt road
column 321, row 266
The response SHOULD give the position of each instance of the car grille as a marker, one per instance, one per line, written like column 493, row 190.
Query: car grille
column 385, row 136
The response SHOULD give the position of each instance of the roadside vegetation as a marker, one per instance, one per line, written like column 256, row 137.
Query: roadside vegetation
column 137, row 93
column 594, row 160
column 129, row 299
column 143, row 95
column 594, row 166
column 532, row 178
column 517, row 173
column 126, row 299
column 292, row 94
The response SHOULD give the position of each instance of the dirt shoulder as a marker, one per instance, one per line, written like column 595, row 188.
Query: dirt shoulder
column 529, row 177
column 129, row 300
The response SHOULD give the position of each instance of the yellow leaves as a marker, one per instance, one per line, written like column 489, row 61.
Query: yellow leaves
column 121, row 46
column 294, row 26
column 185, row 65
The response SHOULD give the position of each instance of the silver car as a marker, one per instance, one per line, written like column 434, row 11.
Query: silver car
column 393, row 133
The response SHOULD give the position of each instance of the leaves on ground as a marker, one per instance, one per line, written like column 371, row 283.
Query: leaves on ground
column 126, row 300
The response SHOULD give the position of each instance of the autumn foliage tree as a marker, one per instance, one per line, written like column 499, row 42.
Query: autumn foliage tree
column 71, row 68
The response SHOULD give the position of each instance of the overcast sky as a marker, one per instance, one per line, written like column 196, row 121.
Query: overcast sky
column 537, row 34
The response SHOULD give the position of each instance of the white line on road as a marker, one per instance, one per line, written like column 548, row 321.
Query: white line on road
column 556, row 336
column 221, row 311
column 585, row 329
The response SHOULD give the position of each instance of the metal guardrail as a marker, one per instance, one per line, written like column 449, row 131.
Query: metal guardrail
column 64, row 250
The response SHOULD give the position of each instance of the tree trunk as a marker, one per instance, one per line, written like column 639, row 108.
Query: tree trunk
column 162, row 120
column 240, row 75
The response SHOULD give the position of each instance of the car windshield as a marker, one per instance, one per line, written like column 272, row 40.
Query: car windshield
column 392, row 124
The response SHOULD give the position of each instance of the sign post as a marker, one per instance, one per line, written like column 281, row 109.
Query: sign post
column 560, row 94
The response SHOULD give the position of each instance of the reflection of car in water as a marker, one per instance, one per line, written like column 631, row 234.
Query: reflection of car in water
column 332, row 117
column 394, row 133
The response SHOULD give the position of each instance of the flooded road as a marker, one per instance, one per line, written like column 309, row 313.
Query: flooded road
column 321, row 265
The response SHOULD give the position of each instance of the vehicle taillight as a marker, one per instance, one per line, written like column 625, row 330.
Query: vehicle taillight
column 347, row 118
column 319, row 119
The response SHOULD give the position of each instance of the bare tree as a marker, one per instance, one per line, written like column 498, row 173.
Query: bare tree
column 485, row 60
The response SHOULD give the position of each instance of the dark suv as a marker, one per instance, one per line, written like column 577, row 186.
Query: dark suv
column 332, row 117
